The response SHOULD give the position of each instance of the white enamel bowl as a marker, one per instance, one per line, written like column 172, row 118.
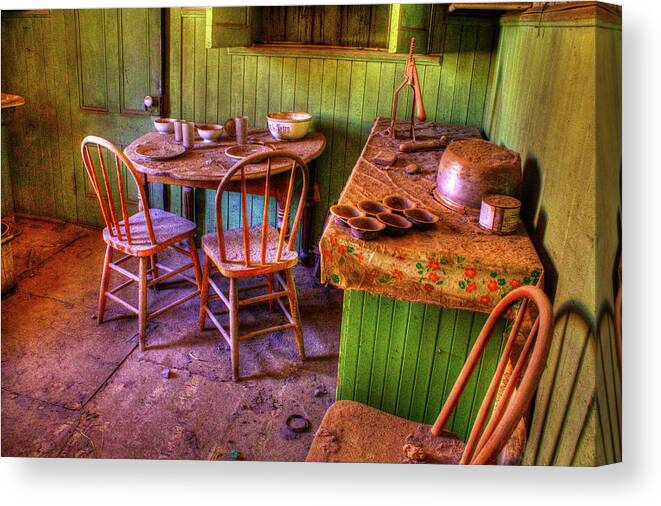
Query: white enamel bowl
column 164, row 125
column 209, row 133
column 289, row 126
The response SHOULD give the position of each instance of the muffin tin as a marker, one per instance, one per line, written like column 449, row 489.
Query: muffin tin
column 396, row 215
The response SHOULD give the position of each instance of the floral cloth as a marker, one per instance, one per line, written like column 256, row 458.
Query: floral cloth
column 454, row 264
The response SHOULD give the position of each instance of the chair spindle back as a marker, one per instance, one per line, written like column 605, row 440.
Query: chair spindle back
column 94, row 147
column 484, row 442
column 274, row 161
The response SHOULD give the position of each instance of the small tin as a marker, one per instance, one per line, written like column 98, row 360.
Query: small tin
column 500, row 214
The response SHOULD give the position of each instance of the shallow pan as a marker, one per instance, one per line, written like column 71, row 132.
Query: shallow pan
column 395, row 223
column 371, row 207
column 365, row 227
column 398, row 204
column 343, row 213
column 421, row 218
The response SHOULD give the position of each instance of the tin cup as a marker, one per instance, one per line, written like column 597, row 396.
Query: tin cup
column 188, row 134
column 177, row 131
column 241, row 126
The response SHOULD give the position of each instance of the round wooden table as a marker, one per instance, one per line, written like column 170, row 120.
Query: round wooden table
column 206, row 164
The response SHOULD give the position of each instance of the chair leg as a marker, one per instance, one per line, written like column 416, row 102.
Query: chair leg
column 105, row 281
column 204, row 292
column 196, row 263
column 270, row 281
column 153, row 260
column 142, row 300
column 234, row 327
column 293, row 308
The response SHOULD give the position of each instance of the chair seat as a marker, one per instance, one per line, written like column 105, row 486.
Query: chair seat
column 168, row 229
column 354, row 432
column 234, row 266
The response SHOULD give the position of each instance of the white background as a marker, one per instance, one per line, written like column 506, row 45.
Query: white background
column 635, row 482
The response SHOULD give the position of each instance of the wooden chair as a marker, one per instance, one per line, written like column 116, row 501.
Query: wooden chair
column 353, row 432
column 142, row 235
column 260, row 250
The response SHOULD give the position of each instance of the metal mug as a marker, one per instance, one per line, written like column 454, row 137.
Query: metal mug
column 241, row 126
column 177, row 130
column 188, row 134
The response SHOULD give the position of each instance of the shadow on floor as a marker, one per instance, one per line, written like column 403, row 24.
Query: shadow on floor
column 73, row 388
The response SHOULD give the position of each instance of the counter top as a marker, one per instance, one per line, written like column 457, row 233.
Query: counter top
column 455, row 264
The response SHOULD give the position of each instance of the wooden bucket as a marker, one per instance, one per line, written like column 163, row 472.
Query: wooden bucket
column 8, row 275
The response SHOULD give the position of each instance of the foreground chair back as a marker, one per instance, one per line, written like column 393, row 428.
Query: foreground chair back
column 484, row 442
column 258, row 250
column 141, row 235
column 507, row 399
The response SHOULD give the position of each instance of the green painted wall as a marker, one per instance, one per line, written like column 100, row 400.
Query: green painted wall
column 344, row 91
column 552, row 83
column 405, row 357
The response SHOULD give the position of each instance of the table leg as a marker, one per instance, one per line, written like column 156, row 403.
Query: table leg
column 307, row 258
column 154, row 258
column 188, row 203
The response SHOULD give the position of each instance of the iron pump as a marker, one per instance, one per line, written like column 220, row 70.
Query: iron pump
column 418, row 108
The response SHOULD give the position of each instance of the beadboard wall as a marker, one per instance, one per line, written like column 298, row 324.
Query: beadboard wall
column 344, row 90
column 555, row 97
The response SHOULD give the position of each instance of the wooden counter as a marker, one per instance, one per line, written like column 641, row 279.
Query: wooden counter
column 414, row 304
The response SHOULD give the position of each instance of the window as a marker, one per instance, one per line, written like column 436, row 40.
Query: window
column 328, row 25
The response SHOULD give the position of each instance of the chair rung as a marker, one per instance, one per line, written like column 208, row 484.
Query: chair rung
column 267, row 330
column 173, row 304
column 181, row 250
column 217, row 324
column 285, row 310
column 123, row 259
column 262, row 298
column 128, row 306
column 279, row 278
column 252, row 287
column 123, row 285
column 124, row 272
column 172, row 272
column 219, row 292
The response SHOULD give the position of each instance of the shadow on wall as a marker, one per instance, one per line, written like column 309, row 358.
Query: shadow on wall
column 531, row 184
column 577, row 414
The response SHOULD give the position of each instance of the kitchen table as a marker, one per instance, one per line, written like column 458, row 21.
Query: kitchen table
column 205, row 165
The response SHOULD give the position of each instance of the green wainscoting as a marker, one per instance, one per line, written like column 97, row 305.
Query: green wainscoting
column 551, row 81
column 45, row 57
column 404, row 357
column 344, row 93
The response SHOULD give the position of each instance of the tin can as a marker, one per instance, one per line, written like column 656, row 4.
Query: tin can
column 188, row 134
column 500, row 214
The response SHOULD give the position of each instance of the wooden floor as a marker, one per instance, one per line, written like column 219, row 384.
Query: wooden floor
column 73, row 388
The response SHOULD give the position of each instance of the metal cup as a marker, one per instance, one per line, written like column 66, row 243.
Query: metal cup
column 177, row 130
column 188, row 134
column 241, row 126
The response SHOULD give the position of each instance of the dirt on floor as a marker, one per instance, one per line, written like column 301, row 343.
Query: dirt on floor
column 74, row 388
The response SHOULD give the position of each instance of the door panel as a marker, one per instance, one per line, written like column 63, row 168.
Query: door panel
column 115, row 59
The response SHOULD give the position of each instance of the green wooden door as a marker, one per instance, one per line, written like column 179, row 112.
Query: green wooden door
column 114, row 60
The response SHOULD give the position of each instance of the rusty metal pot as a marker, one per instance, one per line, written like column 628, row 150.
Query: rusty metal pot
column 472, row 168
